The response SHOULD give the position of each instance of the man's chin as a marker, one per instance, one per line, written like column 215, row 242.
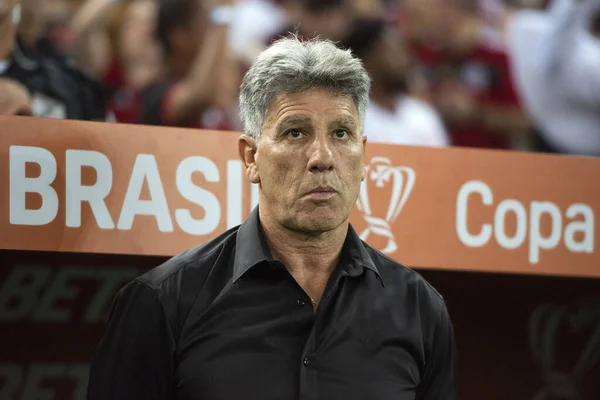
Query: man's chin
column 320, row 221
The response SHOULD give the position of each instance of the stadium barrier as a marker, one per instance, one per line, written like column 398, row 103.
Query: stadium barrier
column 508, row 238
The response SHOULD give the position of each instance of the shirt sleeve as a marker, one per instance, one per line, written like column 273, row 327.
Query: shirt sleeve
column 439, row 379
column 135, row 358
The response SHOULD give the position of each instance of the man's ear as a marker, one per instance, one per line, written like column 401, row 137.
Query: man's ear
column 364, row 149
column 247, row 151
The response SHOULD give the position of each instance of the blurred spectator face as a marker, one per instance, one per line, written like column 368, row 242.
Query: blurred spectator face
column 451, row 25
column 136, row 31
column 14, row 98
column 131, row 31
column 53, row 23
column 326, row 18
column 180, row 27
column 367, row 8
column 423, row 19
column 388, row 61
column 460, row 29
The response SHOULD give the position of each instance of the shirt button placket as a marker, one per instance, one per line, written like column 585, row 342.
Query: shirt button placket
column 308, row 379
column 309, row 371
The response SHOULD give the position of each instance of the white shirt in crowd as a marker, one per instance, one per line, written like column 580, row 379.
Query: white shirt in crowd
column 413, row 122
column 254, row 23
column 556, row 65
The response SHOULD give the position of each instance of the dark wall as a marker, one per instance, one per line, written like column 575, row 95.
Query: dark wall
column 522, row 336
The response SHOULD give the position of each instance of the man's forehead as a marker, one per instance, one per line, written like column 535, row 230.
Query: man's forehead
column 307, row 118
column 305, row 106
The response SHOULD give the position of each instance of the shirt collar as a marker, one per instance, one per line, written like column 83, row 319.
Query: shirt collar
column 252, row 249
column 355, row 252
column 251, row 246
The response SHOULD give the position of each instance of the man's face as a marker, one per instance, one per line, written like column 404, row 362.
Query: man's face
column 309, row 161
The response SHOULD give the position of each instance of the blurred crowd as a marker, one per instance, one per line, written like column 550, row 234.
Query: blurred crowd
column 499, row 74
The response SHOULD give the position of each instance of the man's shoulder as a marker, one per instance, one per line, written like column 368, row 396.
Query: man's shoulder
column 177, row 283
column 196, row 262
column 404, row 280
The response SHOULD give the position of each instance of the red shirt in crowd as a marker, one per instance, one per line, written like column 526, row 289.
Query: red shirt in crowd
column 124, row 102
column 148, row 106
column 485, row 75
column 154, row 110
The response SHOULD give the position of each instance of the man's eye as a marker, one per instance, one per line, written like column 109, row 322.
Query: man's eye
column 341, row 134
column 294, row 134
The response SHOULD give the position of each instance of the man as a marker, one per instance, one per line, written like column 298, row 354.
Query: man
column 555, row 56
column 393, row 116
column 232, row 318
column 58, row 88
column 193, row 35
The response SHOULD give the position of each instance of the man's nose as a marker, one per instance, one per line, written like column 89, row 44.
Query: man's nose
column 321, row 154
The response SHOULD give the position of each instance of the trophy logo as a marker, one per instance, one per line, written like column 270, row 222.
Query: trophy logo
column 544, row 326
column 402, row 179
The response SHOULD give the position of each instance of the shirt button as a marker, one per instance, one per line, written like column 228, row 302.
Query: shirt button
column 306, row 361
column 300, row 302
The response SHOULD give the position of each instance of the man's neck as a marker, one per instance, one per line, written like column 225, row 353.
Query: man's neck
column 304, row 254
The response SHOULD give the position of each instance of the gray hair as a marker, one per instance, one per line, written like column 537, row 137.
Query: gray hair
column 291, row 65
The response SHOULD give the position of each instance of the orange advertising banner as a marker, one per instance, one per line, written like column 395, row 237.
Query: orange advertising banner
column 121, row 189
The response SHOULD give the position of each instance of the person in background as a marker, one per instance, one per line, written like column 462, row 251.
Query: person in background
column 466, row 77
column 555, row 56
column 58, row 88
column 135, row 61
column 393, row 115
column 255, row 23
column 14, row 98
column 75, row 29
column 259, row 22
column 114, row 42
column 370, row 8
column 201, row 76
column 330, row 19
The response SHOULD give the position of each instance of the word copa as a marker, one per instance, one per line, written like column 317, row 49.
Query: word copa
column 528, row 223
column 145, row 172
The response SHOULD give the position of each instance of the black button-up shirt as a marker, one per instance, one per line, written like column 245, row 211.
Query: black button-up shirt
column 225, row 321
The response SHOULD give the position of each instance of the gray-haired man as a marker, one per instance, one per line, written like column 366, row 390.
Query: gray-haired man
column 291, row 304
